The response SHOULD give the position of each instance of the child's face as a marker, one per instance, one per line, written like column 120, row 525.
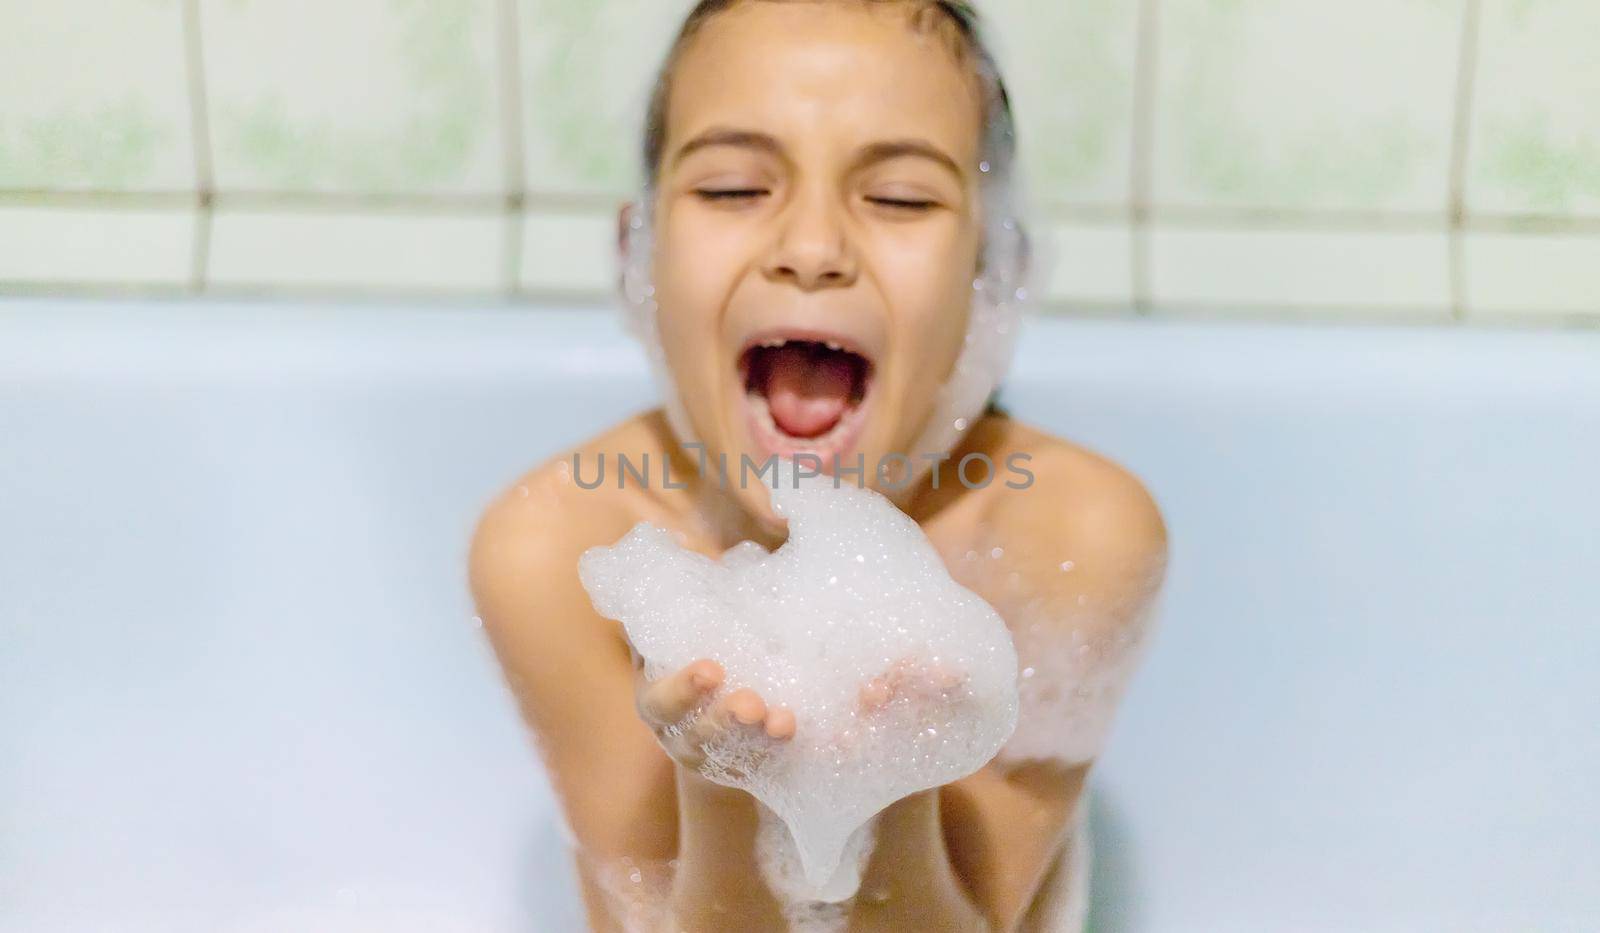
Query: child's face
column 819, row 185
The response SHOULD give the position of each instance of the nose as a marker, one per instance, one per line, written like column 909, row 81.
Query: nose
column 812, row 249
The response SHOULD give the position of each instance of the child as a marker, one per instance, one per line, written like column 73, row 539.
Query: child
column 826, row 262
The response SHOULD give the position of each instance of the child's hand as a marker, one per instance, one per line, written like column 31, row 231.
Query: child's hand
column 686, row 716
column 911, row 679
column 924, row 683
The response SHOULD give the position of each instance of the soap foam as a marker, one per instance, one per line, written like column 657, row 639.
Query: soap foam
column 856, row 593
column 1076, row 655
column 807, row 909
column 635, row 893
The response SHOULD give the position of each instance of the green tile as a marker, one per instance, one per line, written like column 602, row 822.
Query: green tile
column 378, row 252
column 1285, row 270
column 587, row 72
column 1069, row 68
column 358, row 96
column 1087, row 262
column 93, row 96
column 1536, row 140
column 1514, row 273
column 570, row 253
column 1306, row 104
column 103, row 247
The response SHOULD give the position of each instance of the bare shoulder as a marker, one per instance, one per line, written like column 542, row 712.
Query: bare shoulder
column 527, row 541
column 1087, row 529
column 1079, row 496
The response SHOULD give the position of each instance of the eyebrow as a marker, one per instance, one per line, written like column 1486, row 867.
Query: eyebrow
column 895, row 148
column 872, row 152
column 723, row 136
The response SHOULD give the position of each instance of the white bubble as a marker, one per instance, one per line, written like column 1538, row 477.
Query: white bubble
column 778, row 626
column 1067, row 565
column 634, row 892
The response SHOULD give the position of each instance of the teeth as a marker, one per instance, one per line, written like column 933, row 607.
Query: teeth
column 774, row 342
column 834, row 345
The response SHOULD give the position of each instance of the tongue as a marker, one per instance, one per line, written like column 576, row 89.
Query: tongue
column 807, row 393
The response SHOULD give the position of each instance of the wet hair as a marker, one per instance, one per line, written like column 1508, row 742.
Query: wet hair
column 994, row 407
column 955, row 21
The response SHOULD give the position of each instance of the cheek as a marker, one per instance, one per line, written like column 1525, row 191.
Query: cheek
column 687, row 294
column 933, row 300
column 688, row 298
column 688, row 338
column 695, row 270
column 935, row 333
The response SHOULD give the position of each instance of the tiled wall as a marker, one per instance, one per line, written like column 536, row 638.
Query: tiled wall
column 1397, row 159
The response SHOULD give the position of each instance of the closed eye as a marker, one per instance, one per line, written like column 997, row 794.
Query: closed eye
column 729, row 194
column 903, row 204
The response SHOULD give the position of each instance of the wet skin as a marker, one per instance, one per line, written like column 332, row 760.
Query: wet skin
column 844, row 206
column 977, row 849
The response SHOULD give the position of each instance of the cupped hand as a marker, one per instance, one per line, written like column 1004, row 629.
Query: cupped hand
column 910, row 679
column 688, row 710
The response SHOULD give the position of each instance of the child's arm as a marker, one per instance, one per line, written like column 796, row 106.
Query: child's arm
column 570, row 673
column 597, row 724
column 1005, row 824
column 572, row 677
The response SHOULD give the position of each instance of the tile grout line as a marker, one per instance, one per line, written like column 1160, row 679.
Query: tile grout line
column 541, row 299
column 314, row 201
column 1204, row 218
column 1201, row 216
column 516, row 199
column 200, row 133
column 1460, row 146
column 1144, row 93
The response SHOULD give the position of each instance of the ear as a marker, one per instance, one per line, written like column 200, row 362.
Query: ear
column 625, row 212
column 1024, row 252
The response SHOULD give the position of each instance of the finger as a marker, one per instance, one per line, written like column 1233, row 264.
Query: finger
column 706, row 727
column 740, row 709
column 875, row 693
column 668, row 700
column 746, row 706
column 945, row 677
column 780, row 722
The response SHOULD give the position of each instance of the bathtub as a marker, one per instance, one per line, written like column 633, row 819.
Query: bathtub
column 242, row 687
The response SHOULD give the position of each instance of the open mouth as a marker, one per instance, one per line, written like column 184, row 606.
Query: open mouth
column 805, row 394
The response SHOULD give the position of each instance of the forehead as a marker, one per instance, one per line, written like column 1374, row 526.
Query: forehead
column 824, row 72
